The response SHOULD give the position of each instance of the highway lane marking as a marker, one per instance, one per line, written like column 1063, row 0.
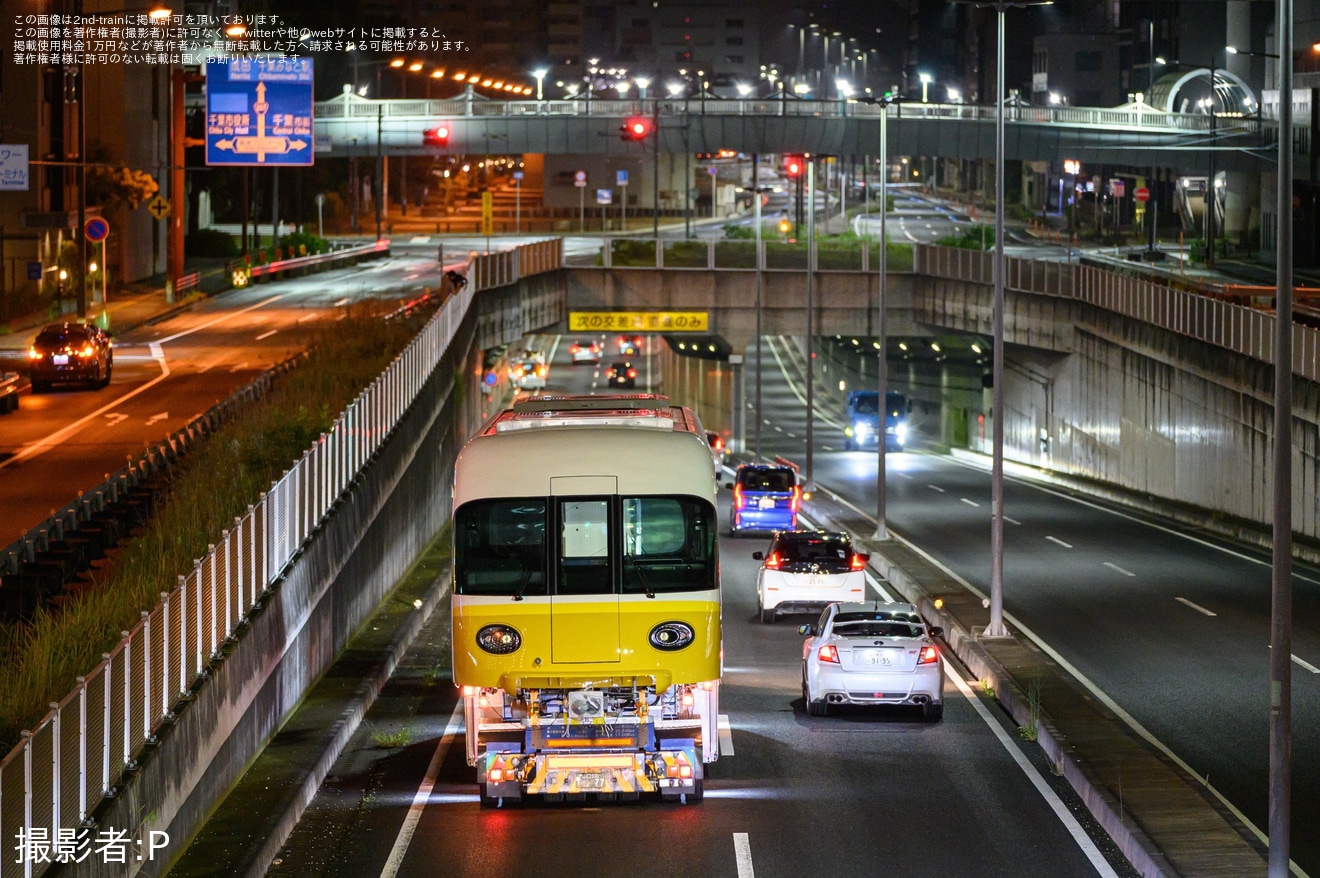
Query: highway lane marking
column 1095, row 691
column 742, row 853
column 267, row 334
column 970, row 502
column 156, row 418
column 1197, row 607
column 1060, row 542
column 1025, row 482
column 936, row 488
column 1047, row 793
column 404, row 838
column 726, row 735
column 343, row 301
column 900, row 475
column 1111, row 565
column 1011, row 520
column 58, row 437
column 308, row 317
column 113, row 418
column 239, row 368
column 1305, row 664
column 221, row 319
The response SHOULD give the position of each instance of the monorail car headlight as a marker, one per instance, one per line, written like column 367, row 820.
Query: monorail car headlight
column 672, row 636
column 499, row 639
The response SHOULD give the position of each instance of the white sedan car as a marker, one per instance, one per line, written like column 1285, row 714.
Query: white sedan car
column 806, row 570
column 872, row 653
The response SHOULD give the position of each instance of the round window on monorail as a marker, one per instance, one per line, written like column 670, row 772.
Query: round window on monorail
column 672, row 636
column 499, row 639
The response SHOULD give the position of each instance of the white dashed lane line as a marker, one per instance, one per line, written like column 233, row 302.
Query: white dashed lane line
column 1300, row 662
column 1197, row 607
column 1112, row 566
column 970, row 502
column 936, row 488
column 1011, row 520
column 1059, row 542
column 726, row 736
column 742, row 853
column 267, row 334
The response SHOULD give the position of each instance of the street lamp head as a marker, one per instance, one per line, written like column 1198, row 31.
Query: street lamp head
column 160, row 14
column 925, row 78
column 674, row 88
column 236, row 31
column 415, row 66
column 540, row 72
column 743, row 89
column 1161, row 60
column 1232, row 50
column 438, row 73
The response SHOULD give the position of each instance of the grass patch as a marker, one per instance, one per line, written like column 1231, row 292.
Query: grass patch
column 400, row 737
column 213, row 485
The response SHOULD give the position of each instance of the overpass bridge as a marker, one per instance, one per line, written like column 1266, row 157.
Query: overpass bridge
column 1136, row 134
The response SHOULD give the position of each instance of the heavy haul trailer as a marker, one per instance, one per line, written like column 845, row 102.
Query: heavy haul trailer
column 586, row 602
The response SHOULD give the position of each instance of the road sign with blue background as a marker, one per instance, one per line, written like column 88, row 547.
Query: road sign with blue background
column 259, row 111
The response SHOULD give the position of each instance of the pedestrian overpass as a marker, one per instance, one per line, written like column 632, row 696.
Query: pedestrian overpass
column 1136, row 134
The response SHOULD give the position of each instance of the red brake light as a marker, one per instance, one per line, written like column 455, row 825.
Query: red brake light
column 828, row 654
column 87, row 351
column 737, row 497
column 797, row 496
column 857, row 562
column 928, row 654
column 772, row 561
column 718, row 444
column 632, row 373
column 34, row 354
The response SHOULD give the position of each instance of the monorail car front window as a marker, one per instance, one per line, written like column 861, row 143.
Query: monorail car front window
column 668, row 545
column 499, row 548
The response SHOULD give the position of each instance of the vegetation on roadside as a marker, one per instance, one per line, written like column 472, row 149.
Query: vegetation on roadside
column 977, row 237
column 214, row 483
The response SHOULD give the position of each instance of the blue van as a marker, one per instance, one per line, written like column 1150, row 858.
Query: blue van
column 765, row 498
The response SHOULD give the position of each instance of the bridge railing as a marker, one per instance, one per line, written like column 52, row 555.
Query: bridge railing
column 80, row 752
column 1241, row 329
column 1138, row 116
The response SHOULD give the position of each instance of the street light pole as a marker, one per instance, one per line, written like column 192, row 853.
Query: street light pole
column 1212, row 198
column 756, row 199
column 1280, row 796
column 811, row 307
column 882, row 364
column 996, row 627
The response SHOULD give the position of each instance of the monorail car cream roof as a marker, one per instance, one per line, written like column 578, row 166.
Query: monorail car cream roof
column 582, row 460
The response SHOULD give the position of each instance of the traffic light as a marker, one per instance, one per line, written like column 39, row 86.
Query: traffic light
column 438, row 136
column 793, row 165
column 635, row 128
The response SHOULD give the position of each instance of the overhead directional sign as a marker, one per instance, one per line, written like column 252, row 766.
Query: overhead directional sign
column 13, row 167
column 259, row 111
column 640, row 321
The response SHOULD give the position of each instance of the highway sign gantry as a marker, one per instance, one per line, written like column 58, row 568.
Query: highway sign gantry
column 259, row 111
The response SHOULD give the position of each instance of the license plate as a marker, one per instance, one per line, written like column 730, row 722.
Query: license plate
column 60, row 359
column 591, row 781
column 876, row 657
column 766, row 503
column 817, row 581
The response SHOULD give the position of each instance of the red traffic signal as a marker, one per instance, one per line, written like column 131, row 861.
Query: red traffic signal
column 436, row 136
column 793, row 165
column 635, row 128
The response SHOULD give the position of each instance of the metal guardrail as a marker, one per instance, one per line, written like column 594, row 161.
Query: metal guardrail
column 188, row 282
column 1140, row 117
column 53, row 780
column 318, row 259
column 1241, row 329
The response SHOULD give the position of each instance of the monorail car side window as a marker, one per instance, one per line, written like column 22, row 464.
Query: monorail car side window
column 668, row 545
column 499, row 548
column 584, row 547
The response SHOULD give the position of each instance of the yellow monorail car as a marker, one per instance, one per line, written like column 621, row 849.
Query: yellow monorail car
column 586, row 600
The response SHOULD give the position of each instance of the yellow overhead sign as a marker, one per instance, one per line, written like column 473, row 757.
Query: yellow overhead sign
column 487, row 213
column 639, row 321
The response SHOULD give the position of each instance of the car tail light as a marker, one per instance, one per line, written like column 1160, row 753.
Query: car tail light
column 34, row 354
column 797, row 496
column 86, row 351
column 737, row 497
column 718, row 444
column 828, row 653
column 857, row 562
column 928, row 654
column 540, row 370
column 772, row 561
column 632, row 373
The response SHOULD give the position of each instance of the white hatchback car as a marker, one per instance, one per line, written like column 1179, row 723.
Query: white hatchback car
column 872, row 653
column 805, row 570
